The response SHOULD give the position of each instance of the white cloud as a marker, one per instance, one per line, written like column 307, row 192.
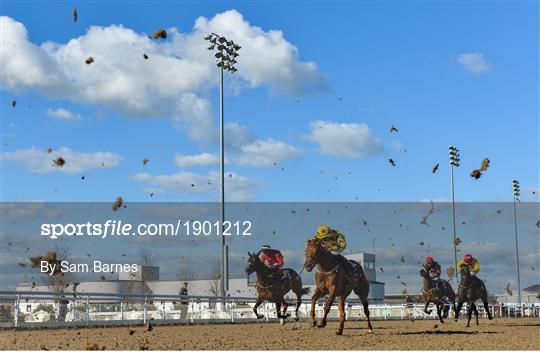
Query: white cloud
column 265, row 153
column 40, row 162
column 474, row 62
column 63, row 114
column 344, row 140
column 237, row 188
column 203, row 159
column 172, row 83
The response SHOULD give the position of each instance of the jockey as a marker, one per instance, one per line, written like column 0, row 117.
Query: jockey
column 433, row 268
column 472, row 262
column 331, row 239
column 272, row 258
column 334, row 241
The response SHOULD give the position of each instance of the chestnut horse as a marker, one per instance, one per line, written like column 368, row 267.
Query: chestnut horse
column 332, row 279
column 436, row 296
column 273, row 285
column 471, row 289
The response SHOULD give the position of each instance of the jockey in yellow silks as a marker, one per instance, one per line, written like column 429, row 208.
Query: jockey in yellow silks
column 473, row 263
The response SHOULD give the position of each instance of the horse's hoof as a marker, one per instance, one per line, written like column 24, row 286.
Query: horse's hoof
column 281, row 321
column 490, row 317
column 260, row 316
column 370, row 331
column 321, row 325
column 313, row 324
column 296, row 319
column 339, row 333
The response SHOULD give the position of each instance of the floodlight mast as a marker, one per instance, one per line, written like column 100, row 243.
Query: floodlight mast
column 516, row 192
column 226, row 53
column 453, row 152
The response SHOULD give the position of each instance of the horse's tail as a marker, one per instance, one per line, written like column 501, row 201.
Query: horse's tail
column 305, row 291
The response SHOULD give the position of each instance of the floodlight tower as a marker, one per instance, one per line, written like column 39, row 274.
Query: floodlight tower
column 226, row 54
column 454, row 162
column 516, row 189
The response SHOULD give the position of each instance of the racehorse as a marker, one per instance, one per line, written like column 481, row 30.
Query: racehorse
column 436, row 295
column 273, row 285
column 331, row 279
column 471, row 289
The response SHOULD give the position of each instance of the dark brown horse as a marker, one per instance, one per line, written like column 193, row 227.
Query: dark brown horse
column 470, row 290
column 273, row 285
column 436, row 295
column 332, row 280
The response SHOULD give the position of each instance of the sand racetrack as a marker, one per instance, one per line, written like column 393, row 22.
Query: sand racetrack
column 500, row 334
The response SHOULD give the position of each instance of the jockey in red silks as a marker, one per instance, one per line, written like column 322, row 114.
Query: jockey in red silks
column 272, row 258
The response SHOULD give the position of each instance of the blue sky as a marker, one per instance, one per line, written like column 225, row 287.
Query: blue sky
column 309, row 111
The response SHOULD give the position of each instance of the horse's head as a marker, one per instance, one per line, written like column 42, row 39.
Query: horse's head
column 313, row 252
column 465, row 275
column 253, row 263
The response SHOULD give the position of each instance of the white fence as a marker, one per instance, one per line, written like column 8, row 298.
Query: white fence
column 112, row 309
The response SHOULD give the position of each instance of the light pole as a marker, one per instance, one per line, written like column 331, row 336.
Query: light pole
column 226, row 54
column 515, row 184
column 454, row 162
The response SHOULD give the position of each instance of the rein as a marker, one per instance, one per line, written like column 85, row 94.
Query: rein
column 265, row 287
column 328, row 272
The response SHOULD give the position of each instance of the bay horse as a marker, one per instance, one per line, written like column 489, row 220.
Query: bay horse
column 273, row 285
column 436, row 295
column 471, row 289
column 331, row 279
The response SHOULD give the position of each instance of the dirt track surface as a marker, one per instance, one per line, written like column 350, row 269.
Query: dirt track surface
column 500, row 334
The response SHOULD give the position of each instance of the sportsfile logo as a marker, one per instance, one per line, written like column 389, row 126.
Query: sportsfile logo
column 120, row 228
column 109, row 228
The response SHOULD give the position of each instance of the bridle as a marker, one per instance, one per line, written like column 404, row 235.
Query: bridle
column 316, row 258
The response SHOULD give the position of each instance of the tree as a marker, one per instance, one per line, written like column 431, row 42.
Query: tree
column 185, row 271
column 55, row 279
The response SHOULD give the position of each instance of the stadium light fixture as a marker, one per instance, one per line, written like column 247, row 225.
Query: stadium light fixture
column 516, row 193
column 453, row 152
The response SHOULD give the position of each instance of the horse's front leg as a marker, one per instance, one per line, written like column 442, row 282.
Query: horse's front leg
column 341, row 308
column 257, row 304
column 458, row 309
column 285, row 306
column 318, row 294
column 327, row 306
column 426, row 305
column 469, row 313
column 440, row 307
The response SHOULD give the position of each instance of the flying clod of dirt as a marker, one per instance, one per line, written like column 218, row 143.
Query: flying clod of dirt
column 391, row 161
column 74, row 15
column 116, row 205
column 450, row 271
column 477, row 173
column 89, row 60
column 393, row 129
column 457, row 241
column 59, row 161
column 508, row 290
column 435, row 168
column 145, row 56
column 160, row 33
column 14, row 103
column 50, row 258
column 145, row 161
column 49, row 150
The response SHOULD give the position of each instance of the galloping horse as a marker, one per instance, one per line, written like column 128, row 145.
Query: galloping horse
column 436, row 295
column 470, row 289
column 272, row 286
column 332, row 280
